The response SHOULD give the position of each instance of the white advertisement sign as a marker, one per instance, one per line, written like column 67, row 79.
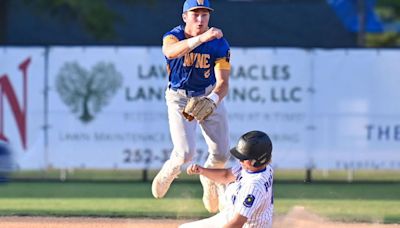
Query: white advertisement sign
column 108, row 108
column 356, row 109
column 21, row 105
column 269, row 91
column 330, row 109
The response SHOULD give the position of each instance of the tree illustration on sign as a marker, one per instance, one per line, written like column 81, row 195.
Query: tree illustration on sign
column 86, row 92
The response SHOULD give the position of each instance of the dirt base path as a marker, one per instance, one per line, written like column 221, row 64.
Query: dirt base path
column 296, row 218
column 78, row 222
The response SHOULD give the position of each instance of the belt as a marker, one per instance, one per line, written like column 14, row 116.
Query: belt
column 190, row 93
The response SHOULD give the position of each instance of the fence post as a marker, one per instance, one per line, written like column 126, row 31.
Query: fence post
column 46, row 109
column 145, row 175
column 308, row 175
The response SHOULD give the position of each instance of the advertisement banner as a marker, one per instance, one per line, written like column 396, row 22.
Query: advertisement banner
column 269, row 91
column 22, row 105
column 327, row 109
column 108, row 109
column 356, row 111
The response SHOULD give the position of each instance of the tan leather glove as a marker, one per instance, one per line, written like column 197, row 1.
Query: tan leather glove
column 199, row 108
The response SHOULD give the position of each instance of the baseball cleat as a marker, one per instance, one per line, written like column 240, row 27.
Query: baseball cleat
column 210, row 194
column 163, row 180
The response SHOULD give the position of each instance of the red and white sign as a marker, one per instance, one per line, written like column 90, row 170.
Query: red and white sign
column 21, row 104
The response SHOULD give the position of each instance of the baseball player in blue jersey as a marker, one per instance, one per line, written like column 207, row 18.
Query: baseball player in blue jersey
column 198, row 67
column 249, row 195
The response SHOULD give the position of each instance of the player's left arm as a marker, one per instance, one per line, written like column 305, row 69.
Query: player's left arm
column 238, row 221
column 222, row 85
column 222, row 70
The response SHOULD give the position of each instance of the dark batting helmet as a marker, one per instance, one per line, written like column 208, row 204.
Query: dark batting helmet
column 255, row 146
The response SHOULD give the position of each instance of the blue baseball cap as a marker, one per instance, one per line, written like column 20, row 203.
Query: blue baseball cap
column 196, row 4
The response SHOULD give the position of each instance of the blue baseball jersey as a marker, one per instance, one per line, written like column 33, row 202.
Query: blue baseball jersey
column 195, row 70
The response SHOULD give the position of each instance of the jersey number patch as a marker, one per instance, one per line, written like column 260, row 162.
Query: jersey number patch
column 248, row 202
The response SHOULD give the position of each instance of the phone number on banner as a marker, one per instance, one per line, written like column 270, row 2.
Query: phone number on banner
column 147, row 156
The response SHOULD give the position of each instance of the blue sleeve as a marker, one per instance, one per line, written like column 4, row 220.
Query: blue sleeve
column 223, row 49
column 166, row 34
column 177, row 32
column 170, row 33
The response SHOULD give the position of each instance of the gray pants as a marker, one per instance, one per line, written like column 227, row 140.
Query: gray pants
column 183, row 132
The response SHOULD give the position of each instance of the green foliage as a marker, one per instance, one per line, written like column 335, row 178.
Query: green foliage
column 94, row 15
column 389, row 12
column 386, row 39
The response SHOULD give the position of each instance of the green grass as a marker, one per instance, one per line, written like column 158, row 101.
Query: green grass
column 280, row 175
column 367, row 202
column 108, row 207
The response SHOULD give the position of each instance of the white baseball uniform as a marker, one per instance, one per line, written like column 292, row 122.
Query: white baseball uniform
column 251, row 195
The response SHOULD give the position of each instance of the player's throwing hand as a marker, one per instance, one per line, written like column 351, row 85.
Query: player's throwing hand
column 210, row 34
column 194, row 169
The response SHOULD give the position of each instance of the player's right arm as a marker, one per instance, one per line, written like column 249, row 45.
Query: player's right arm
column 223, row 176
column 173, row 48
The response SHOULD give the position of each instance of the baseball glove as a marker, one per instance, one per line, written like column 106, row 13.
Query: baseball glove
column 199, row 108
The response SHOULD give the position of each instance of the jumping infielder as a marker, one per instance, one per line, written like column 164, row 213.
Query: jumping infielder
column 198, row 68
column 249, row 196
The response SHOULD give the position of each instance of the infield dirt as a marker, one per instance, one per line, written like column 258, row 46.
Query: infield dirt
column 296, row 218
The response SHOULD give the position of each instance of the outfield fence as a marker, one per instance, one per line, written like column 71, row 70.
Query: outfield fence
column 103, row 108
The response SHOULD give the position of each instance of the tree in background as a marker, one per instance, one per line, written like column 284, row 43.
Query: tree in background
column 86, row 92
column 389, row 12
column 98, row 18
column 95, row 16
